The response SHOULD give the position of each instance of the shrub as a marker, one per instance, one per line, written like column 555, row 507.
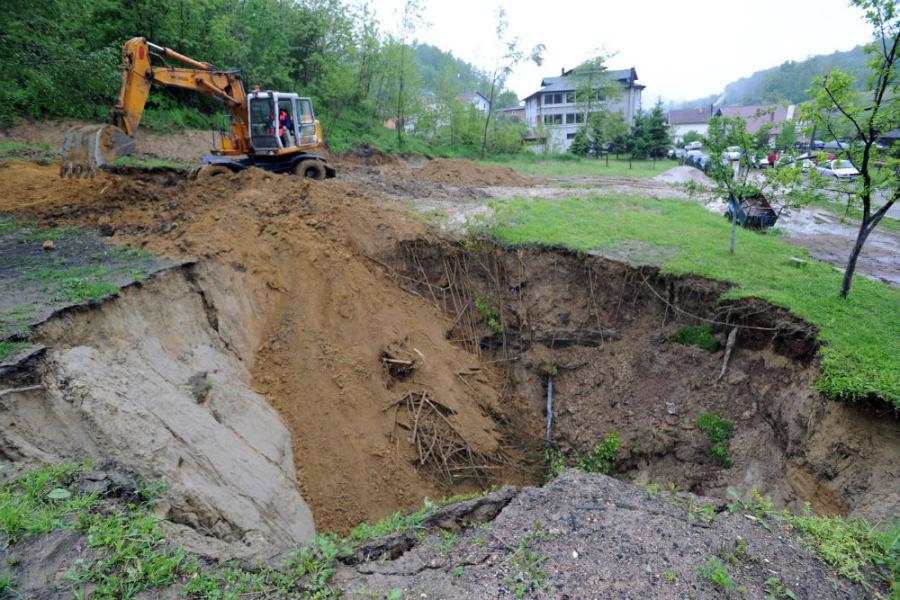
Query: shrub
column 697, row 335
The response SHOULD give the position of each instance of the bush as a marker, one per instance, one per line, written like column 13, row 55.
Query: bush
column 697, row 335
column 718, row 432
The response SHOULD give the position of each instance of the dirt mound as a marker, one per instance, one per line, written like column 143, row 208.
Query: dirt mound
column 590, row 536
column 369, row 156
column 294, row 284
column 463, row 173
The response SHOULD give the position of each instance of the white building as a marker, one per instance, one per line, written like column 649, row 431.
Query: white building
column 555, row 107
column 684, row 120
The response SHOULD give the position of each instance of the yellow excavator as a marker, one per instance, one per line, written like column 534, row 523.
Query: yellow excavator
column 276, row 131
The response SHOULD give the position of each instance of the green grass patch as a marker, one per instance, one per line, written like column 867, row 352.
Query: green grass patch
column 860, row 335
column 697, row 335
column 81, row 284
column 571, row 166
column 39, row 153
column 37, row 502
column 10, row 349
column 716, row 572
column 149, row 163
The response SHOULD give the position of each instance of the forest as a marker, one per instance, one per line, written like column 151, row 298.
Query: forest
column 790, row 81
column 61, row 59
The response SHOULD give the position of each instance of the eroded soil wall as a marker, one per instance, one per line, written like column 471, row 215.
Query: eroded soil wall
column 602, row 330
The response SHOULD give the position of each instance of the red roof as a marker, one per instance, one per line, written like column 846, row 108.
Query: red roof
column 757, row 115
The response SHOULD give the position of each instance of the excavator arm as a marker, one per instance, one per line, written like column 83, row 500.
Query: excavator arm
column 86, row 148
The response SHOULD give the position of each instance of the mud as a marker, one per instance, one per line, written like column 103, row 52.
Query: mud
column 464, row 172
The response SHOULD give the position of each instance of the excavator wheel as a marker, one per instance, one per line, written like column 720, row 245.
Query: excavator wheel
column 208, row 172
column 311, row 168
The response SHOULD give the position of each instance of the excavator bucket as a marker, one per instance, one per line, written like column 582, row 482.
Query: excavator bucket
column 86, row 149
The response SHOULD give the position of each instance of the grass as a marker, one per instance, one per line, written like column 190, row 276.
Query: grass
column 80, row 284
column 150, row 163
column 697, row 335
column 10, row 349
column 571, row 166
column 34, row 502
column 40, row 153
column 528, row 575
column 860, row 355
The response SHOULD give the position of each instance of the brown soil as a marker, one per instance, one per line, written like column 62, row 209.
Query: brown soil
column 302, row 277
column 301, row 262
column 466, row 173
column 602, row 330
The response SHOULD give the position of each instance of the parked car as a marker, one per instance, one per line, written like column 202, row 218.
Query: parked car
column 732, row 153
column 839, row 169
column 693, row 146
column 675, row 152
column 804, row 161
column 759, row 161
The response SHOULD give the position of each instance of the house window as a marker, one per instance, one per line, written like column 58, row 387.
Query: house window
column 548, row 98
column 557, row 119
column 570, row 118
column 570, row 98
column 548, row 119
column 579, row 117
column 558, row 98
column 570, row 136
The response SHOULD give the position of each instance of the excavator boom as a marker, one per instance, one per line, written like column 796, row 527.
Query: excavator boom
column 85, row 149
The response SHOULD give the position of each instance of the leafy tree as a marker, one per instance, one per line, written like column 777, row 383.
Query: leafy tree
column 639, row 138
column 787, row 137
column 836, row 103
column 732, row 179
column 691, row 136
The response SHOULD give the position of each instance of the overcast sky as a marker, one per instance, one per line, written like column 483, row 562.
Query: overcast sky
column 681, row 49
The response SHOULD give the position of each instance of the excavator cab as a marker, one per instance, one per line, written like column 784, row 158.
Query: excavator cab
column 267, row 133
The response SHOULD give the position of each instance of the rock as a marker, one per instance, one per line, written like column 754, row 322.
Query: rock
column 115, row 391
column 48, row 245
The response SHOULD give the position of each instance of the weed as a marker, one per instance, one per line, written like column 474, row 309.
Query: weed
column 718, row 431
column 602, row 459
column 705, row 513
column 130, row 555
column 395, row 594
column 200, row 393
column 490, row 313
column 775, row 590
column 528, row 575
column 458, row 571
column 669, row 575
column 652, row 489
column 394, row 523
column 448, row 542
column 717, row 573
column 29, row 504
column 697, row 335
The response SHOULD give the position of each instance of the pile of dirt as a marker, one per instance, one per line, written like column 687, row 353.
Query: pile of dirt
column 466, row 173
column 292, row 273
column 369, row 156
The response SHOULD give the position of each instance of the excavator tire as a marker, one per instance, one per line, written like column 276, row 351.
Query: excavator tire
column 311, row 168
column 210, row 171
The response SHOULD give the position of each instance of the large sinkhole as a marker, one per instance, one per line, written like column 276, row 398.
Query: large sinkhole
column 318, row 366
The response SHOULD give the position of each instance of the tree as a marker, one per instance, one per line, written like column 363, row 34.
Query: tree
column 410, row 19
column 511, row 56
column 732, row 181
column 638, row 139
column 787, row 137
column 836, row 103
column 581, row 145
column 657, row 132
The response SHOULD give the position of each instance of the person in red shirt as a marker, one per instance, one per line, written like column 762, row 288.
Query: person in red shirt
column 772, row 158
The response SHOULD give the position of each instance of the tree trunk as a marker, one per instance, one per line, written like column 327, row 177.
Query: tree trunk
column 854, row 254
column 487, row 120
column 734, row 218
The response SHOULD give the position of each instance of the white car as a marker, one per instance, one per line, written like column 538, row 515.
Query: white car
column 693, row 146
column 839, row 169
column 732, row 153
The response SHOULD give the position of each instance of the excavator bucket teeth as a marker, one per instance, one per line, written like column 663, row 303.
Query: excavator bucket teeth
column 86, row 149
